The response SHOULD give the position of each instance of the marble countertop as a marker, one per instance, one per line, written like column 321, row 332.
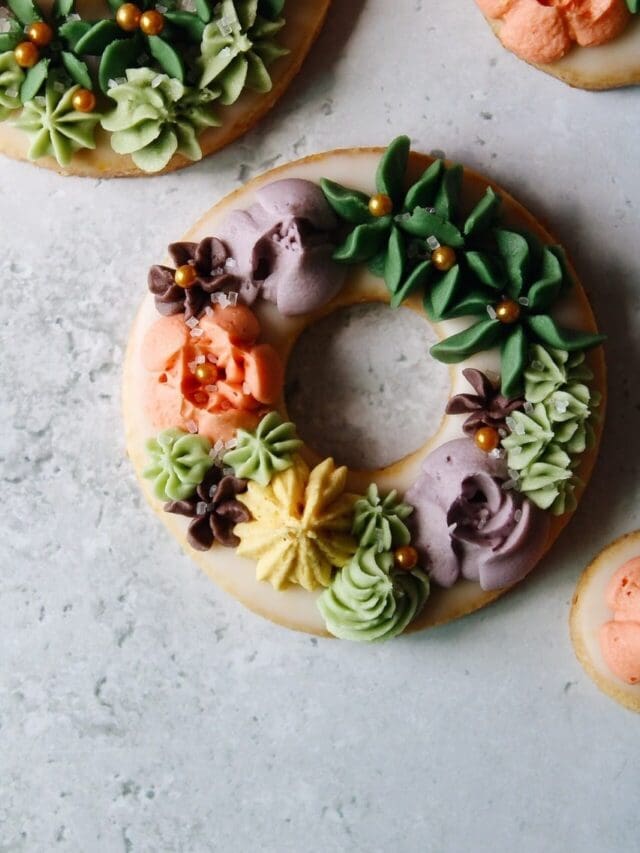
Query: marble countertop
column 141, row 709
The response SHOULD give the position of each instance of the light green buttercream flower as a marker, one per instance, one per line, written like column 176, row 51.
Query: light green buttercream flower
column 54, row 127
column 156, row 116
column 569, row 413
column 548, row 369
column 262, row 453
column 11, row 77
column 530, row 433
column 368, row 600
column 380, row 522
column 237, row 48
column 179, row 462
column 550, row 482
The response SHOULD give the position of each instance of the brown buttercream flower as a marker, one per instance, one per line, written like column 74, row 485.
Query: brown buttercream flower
column 487, row 407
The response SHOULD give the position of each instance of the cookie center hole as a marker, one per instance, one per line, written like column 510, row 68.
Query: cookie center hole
column 362, row 387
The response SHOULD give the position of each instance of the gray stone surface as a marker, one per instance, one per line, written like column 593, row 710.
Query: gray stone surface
column 143, row 710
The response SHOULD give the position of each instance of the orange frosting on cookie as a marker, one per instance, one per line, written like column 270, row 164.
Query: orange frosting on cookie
column 212, row 376
column 542, row 31
column 620, row 638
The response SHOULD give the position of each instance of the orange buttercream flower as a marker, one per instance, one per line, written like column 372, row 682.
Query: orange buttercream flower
column 209, row 374
column 542, row 31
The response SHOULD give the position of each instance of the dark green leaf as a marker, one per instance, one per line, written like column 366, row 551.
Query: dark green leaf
column 350, row 205
column 481, row 336
column 514, row 250
column 448, row 196
column 364, row 242
column 33, row 81
column 567, row 278
column 101, row 34
column 483, row 214
column 395, row 260
column 418, row 278
column 474, row 302
column 117, row 57
column 72, row 31
column 167, row 58
column 115, row 4
column 25, row 11
column 392, row 170
column 270, row 8
column 77, row 70
column 513, row 361
column 441, row 298
column 62, row 8
column 9, row 40
column 544, row 292
column 422, row 193
column 548, row 332
column 634, row 6
column 486, row 269
column 203, row 8
column 422, row 223
column 376, row 264
column 189, row 24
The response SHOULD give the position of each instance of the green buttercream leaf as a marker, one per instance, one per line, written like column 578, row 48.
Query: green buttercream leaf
column 178, row 464
column 486, row 269
column 98, row 37
column 8, row 41
column 531, row 433
column 418, row 278
column 375, row 265
column 379, row 522
column 514, row 250
column 546, row 330
column 513, row 358
column 368, row 601
column 473, row 303
column 33, row 81
column 25, row 11
column 483, row 214
column 203, row 9
column 155, row 156
column 11, row 77
column 544, row 292
column 442, row 296
column 271, row 8
column 392, row 169
column 116, row 59
column 62, row 8
column 424, row 223
column 350, row 205
column 422, row 193
column 187, row 23
column 364, row 242
column 549, row 482
column 545, row 372
column 71, row 32
column 447, row 200
column 258, row 78
column 481, row 336
column 394, row 264
column 114, row 5
column 167, row 57
column 77, row 69
column 259, row 455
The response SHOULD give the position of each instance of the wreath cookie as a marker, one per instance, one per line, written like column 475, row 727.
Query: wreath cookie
column 591, row 44
column 108, row 89
column 605, row 620
column 310, row 544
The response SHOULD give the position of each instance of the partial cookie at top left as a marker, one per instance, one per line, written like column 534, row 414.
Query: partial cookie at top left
column 104, row 88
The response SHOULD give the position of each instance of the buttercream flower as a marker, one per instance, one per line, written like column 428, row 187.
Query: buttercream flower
column 214, row 510
column 11, row 77
column 467, row 524
column 211, row 263
column 260, row 454
column 380, row 522
column 178, row 463
column 544, row 32
column 210, row 375
column 487, row 407
column 301, row 525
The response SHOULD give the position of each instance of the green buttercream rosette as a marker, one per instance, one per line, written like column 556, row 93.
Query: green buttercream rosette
column 238, row 47
column 156, row 116
column 379, row 522
column 179, row 463
column 369, row 601
column 268, row 450
column 11, row 77
column 54, row 127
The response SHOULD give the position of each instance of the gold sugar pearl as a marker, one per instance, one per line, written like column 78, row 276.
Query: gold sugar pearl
column 443, row 258
column 405, row 558
column 185, row 276
column 128, row 17
column 206, row 373
column 84, row 101
column 508, row 311
column 152, row 23
column 26, row 54
column 380, row 205
column 40, row 33
column 487, row 439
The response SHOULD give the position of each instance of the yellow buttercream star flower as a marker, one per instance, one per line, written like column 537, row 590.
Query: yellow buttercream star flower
column 301, row 525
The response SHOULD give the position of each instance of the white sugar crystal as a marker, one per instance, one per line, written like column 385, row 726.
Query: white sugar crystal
column 232, row 298
column 157, row 80
column 162, row 9
column 561, row 404
column 12, row 91
column 212, row 491
column 230, row 264
column 523, row 301
column 216, row 298
column 74, row 17
column 192, row 426
column 191, row 322
column 517, row 515
column 218, row 446
column 497, row 453
column 519, row 428
column 502, row 432
column 192, row 366
column 58, row 86
column 246, row 388
column 537, row 365
column 528, row 407
column 433, row 243
column 233, row 442
column 225, row 52
column 491, row 311
column 510, row 422
column 188, row 6
column 209, row 312
column 217, row 271
column 5, row 26
column 201, row 508
column 225, row 25
column 197, row 332
column 228, row 472
column 200, row 359
column 211, row 389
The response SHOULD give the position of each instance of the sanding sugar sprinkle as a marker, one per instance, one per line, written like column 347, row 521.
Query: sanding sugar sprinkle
column 192, row 322
column 192, row 427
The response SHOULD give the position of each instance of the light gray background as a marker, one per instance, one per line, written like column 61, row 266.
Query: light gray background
column 141, row 708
